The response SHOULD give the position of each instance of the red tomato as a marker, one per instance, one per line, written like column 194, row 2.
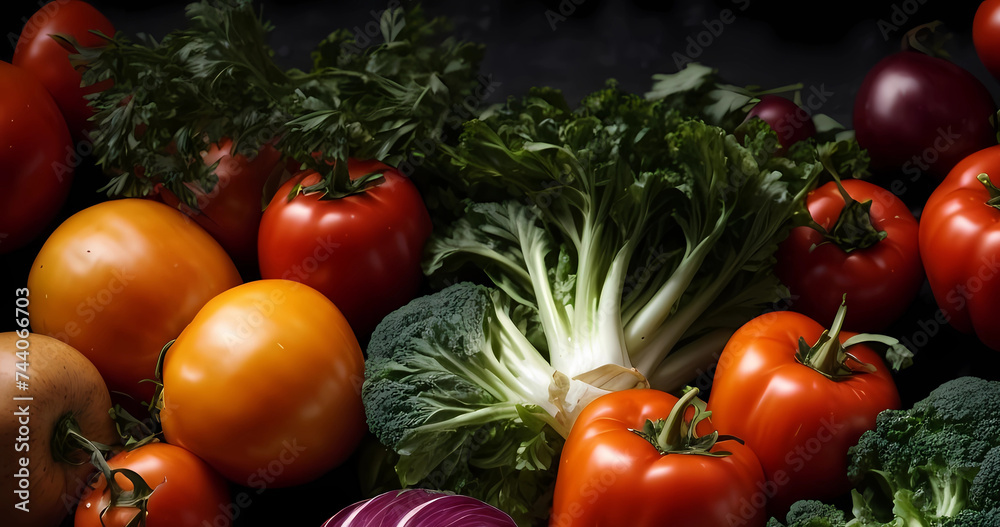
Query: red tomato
column 34, row 143
column 880, row 276
column 120, row 279
column 48, row 60
column 986, row 35
column 918, row 114
column 610, row 475
column 265, row 385
column 960, row 245
column 800, row 422
column 231, row 211
column 362, row 251
column 186, row 491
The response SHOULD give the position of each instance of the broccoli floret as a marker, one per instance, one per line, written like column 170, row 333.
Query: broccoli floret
column 973, row 518
column 811, row 513
column 985, row 490
column 919, row 464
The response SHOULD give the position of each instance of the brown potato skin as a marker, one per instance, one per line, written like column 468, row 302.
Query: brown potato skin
column 60, row 381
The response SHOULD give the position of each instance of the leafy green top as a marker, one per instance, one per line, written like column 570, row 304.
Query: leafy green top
column 218, row 78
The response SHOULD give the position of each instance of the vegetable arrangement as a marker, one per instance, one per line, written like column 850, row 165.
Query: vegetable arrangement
column 358, row 290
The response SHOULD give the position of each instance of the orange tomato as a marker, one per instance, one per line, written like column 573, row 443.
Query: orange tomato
column 265, row 385
column 119, row 280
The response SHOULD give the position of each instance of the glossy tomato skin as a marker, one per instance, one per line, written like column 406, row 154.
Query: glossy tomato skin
column 231, row 210
column 798, row 422
column 880, row 281
column 610, row 476
column 921, row 114
column 960, row 244
column 362, row 251
column 986, row 35
column 790, row 121
column 264, row 385
column 186, row 491
column 120, row 279
column 34, row 142
column 61, row 382
column 47, row 59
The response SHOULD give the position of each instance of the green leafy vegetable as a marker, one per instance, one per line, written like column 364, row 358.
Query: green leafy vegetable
column 630, row 228
column 393, row 101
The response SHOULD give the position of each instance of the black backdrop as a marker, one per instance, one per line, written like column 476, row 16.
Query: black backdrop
column 575, row 45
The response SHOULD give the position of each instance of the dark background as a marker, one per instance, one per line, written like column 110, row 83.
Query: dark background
column 576, row 46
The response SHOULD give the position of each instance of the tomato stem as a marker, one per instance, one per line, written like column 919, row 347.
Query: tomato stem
column 828, row 356
column 69, row 440
column 927, row 39
column 994, row 192
column 853, row 229
column 675, row 435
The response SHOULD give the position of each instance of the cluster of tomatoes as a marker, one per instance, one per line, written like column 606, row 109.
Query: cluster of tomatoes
column 226, row 340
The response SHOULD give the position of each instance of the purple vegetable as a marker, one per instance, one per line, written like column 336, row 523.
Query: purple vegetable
column 420, row 508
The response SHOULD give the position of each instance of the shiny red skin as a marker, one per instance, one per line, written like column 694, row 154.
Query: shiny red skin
column 610, row 476
column 34, row 145
column 48, row 60
column 986, row 35
column 186, row 491
column 921, row 114
column 798, row 422
column 790, row 121
column 960, row 247
column 231, row 211
column 880, row 281
column 362, row 251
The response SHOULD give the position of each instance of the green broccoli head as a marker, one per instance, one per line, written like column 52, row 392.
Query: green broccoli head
column 921, row 462
column 811, row 513
column 401, row 394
